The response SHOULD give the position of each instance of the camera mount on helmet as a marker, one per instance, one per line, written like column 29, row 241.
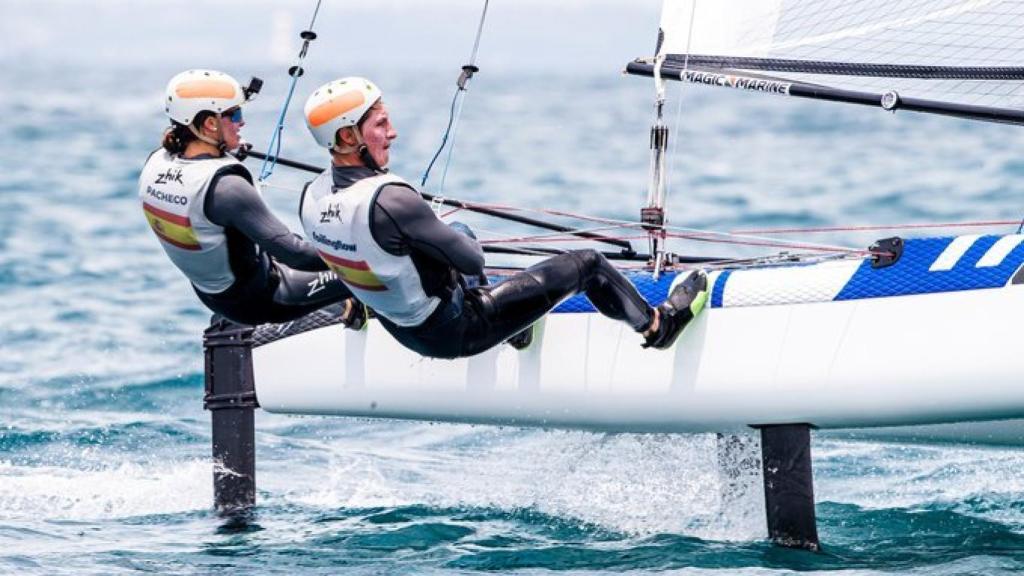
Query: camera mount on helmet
column 254, row 87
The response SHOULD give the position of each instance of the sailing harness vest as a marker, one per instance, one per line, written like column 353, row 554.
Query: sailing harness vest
column 337, row 222
column 172, row 191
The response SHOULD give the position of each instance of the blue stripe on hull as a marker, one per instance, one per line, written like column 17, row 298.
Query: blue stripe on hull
column 654, row 292
column 910, row 275
column 718, row 291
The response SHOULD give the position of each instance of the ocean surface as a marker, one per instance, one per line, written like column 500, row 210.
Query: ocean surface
column 105, row 449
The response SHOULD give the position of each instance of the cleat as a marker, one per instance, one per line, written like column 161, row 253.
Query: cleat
column 686, row 298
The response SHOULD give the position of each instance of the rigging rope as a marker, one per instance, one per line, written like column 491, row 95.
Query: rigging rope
column 697, row 237
column 720, row 263
column 679, row 232
column 979, row 224
column 750, row 237
column 455, row 111
column 444, row 140
column 682, row 88
column 736, row 237
column 274, row 148
column 292, row 189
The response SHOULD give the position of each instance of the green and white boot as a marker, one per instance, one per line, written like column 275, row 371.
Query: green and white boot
column 686, row 298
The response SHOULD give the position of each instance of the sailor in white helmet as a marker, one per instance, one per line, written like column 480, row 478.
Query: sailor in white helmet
column 402, row 261
column 212, row 222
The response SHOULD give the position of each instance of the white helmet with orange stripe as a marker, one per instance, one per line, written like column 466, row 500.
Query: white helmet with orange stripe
column 339, row 104
column 195, row 91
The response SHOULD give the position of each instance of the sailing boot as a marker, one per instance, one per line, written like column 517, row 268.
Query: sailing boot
column 355, row 315
column 686, row 298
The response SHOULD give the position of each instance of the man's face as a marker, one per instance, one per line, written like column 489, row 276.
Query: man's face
column 378, row 133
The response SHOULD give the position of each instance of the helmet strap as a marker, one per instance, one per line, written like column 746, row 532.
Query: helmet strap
column 219, row 143
column 368, row 160
column 360, row 149
column 343, row 150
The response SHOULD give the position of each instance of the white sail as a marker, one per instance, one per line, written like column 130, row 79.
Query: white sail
column 725, row 27
column 958, row 51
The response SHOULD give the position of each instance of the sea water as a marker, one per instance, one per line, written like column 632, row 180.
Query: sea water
column 105, row 449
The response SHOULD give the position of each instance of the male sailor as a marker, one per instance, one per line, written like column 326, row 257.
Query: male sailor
column 402, row 261
column 201, row 203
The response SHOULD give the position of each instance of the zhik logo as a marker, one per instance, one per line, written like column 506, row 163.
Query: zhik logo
column 320, row 282
column 172, row 175
column 333, row 211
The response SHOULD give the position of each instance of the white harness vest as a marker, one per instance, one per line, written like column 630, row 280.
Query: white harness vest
column 338, row 225
column 172, row 191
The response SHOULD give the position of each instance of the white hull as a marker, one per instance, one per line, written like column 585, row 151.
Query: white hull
column 896, row 361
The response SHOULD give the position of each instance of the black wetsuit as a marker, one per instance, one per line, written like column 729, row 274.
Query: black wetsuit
column 278, row 275
column 471, row 320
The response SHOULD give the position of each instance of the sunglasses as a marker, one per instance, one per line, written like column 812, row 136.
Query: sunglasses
column 235, row 114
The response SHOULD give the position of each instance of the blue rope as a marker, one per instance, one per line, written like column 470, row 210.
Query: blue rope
column 444, row 139
column 451, row 149
column 274, row 149
column 456, row 107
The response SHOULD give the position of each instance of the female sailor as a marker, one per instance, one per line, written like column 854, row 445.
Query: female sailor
column 200, row 201
column 402, row 261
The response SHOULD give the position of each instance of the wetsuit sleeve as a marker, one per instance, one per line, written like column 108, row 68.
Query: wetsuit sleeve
column 233, row 202
column 401, row 221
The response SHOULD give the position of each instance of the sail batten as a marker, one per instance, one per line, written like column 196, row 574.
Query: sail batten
column 966, row 53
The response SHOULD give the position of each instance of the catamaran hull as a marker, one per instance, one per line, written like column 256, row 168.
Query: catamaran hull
column 873, row 361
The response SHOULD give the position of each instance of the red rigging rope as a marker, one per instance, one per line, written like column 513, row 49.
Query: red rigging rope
column 685, row 234
column 979, row 224
column 718, row 264
column 669, row 232
column 698, row 238
column 745, row 237
column 809, row 230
